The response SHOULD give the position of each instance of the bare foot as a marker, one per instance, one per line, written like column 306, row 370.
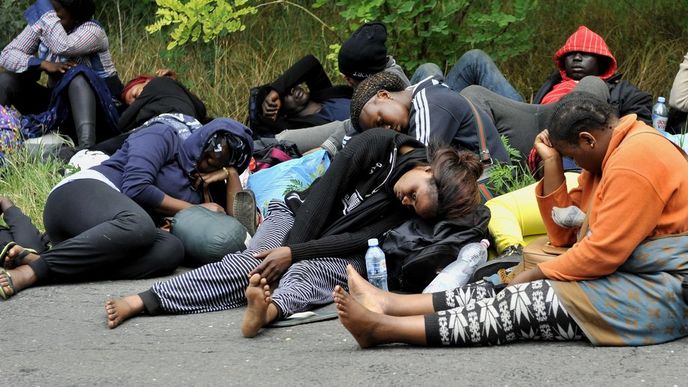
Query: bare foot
column 257, row 313
column 371, row 297
column 21, row 278
column 122, row 309
column 359, row 321
column 14, row 252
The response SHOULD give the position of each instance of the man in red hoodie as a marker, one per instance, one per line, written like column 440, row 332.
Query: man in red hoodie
column 584, row 53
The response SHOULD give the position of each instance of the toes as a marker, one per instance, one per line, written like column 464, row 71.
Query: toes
column 263, row 281
column 255, row 280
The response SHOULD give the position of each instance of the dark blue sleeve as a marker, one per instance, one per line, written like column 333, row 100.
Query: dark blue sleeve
column 148, row 153
column 445, row 117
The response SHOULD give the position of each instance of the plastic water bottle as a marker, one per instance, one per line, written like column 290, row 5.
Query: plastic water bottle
column 660, row 115
column 457, row 273
column 376, row 266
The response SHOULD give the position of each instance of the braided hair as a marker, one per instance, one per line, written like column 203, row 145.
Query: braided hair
column 367, row 89
column 578, row 112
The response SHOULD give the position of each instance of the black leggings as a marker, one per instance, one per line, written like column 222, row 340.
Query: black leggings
column 474, row 315
column 100, row 233
column 21, row 230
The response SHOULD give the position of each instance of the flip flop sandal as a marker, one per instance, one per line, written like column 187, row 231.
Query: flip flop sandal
column 17, row 260
column 5, row 251
column 10, row 284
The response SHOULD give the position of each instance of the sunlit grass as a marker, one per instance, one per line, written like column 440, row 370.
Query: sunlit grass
column 649, row 48
column 27, row 179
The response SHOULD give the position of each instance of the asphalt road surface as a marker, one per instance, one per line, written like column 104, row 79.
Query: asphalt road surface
column 57, row 336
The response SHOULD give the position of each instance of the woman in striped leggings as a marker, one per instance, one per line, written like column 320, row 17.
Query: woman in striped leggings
column 306, row 241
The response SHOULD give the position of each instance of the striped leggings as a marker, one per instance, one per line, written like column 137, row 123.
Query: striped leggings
column 221, row 285
column 474, row 315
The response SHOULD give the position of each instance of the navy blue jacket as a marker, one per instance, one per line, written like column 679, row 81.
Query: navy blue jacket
column 155, row 161
column 438, row 113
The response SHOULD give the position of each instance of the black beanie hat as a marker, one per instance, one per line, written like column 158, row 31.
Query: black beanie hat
column 364, row 53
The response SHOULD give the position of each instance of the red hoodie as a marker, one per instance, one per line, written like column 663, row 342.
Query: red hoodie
column 583, row 40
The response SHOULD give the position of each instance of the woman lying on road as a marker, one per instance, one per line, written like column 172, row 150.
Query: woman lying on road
column 619, row 285
column 97, row 219
column 306, row 242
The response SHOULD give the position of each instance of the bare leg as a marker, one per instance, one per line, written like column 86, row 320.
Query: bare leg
column 122, row 309
column 260, row 311
column 370, row 328
column 392, row 304
column 22, row 278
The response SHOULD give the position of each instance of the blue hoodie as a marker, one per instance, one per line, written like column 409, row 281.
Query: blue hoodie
column 155, row 161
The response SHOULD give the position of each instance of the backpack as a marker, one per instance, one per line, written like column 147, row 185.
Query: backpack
column 274, row 154
column 416, row 251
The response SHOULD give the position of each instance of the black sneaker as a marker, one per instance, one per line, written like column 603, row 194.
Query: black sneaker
column 511, row 256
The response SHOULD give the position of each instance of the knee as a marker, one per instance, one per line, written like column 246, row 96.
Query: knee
column 472, row 92
column 430, row 69
column 594, row 85
column 79, row 83
column 170, row 253
column 475, row 55
column 425, row 70
column 139, row 226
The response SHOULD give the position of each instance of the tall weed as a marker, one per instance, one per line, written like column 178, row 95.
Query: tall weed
column 27, row 179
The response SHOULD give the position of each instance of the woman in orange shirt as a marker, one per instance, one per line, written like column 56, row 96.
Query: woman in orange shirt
column 620, row 283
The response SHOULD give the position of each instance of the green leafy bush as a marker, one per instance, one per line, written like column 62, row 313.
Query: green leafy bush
column 11, row 19
column 440, row 31
column 199, row 18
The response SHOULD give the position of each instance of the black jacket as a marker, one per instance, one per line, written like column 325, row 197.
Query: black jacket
column 162, row 95
column 351, row 202
column 307, row 70
column 625, row 97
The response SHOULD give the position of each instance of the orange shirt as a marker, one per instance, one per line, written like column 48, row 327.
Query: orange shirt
column 642, row 193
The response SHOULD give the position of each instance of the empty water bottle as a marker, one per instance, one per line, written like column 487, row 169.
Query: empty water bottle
column 660, row 115
column 376, row 266
column 457, row 273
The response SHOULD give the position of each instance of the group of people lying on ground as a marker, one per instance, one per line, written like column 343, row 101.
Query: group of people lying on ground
column 402, row 151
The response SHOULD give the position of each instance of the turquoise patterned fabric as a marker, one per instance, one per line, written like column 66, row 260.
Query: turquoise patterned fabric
column 642, row 300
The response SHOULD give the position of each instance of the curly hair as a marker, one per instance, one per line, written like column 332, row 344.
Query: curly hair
column 383, row 80
column 578, row 112
column 455, row 174
column 81, row 10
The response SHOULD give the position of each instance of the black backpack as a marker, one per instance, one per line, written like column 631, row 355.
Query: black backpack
column 416, row 251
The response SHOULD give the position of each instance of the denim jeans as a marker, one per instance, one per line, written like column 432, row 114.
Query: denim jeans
column 474, row 67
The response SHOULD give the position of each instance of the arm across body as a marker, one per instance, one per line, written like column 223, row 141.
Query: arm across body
column 19, row 55
column 85, row 39
column 627, row 211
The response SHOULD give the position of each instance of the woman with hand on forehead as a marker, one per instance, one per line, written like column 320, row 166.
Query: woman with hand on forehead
column 620, row 284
